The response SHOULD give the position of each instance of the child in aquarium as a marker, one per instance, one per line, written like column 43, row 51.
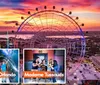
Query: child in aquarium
column 3, row 69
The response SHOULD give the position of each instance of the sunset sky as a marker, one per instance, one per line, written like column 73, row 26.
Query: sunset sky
column 88, row 11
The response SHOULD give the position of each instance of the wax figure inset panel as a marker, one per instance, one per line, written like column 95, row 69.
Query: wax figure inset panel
column 9, row 66
column 42, row 66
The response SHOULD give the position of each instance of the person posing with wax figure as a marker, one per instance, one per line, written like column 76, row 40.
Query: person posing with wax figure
column 43, row 65
column 55, row 69
column 35, row 66
column 36, row 63
column 55, row 66
column 50, row 64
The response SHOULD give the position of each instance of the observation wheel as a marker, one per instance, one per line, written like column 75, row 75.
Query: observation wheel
column 53, row 29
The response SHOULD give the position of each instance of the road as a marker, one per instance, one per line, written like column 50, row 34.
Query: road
column 83, row 71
